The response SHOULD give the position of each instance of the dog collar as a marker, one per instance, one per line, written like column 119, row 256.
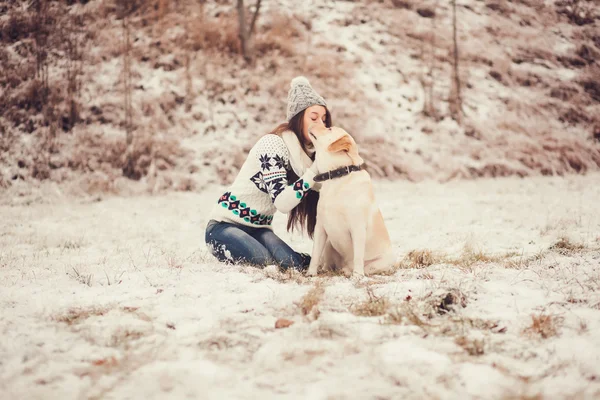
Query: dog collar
column 338, row 173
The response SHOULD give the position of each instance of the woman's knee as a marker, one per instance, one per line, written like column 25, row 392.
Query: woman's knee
column 232, row 245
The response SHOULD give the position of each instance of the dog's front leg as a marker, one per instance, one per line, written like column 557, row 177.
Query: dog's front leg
column 359, row 240
column 320, row 239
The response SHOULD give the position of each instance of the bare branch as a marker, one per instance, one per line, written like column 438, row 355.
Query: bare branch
column 253, row 23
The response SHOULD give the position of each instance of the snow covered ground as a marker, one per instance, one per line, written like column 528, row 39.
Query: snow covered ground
column 116, row 298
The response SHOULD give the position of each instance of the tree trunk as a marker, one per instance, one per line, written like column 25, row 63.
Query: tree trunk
column 456, row 107
column 128, row 167
column 429, row 106
column 243, row 31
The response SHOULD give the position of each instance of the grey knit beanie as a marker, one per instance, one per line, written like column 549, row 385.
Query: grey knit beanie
column 301, row 96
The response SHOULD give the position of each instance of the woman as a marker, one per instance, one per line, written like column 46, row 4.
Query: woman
column 277, row 175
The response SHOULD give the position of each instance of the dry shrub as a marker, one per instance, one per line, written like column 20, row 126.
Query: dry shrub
column 419, row 259
column 406, row 314
column 311, row 299
column 285, row 275
column 186, row 184
column 281, row 33
column 149, row 149
column 219, row 34
column 18, row 26
column 41, row 37
column 591, row 86
column 522, row 263
column 571, row 155
column 470, row 257
column 381, row 158
column 107, row 363
column 419, row 312
column 98, row 182
column 4, row 182
column 475, row 347
column 543, row 325
column 564, row 92
column 425, row 275
column 565, row 246
column 121, row 337
column 493, row 169
column 95, row 152
column 79, row 314
column 542, row 149
column 373, row 306
column 329, row 70
column 588, row 53
column 406, row 4
column 460, row 323
column 579, row 12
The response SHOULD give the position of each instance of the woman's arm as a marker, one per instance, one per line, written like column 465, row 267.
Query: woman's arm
column 272, row 156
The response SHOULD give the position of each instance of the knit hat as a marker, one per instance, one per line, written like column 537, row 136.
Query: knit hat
column 301, row 96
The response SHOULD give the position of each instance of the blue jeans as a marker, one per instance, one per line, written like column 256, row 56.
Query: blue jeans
column 257, row 246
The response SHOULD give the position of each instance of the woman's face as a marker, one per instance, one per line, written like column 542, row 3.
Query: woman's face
column 313, row 116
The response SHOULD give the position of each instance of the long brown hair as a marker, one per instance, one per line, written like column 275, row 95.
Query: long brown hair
column 304, row 215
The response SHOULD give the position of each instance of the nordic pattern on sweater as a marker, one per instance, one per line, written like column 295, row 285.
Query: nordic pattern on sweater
column 261, row 187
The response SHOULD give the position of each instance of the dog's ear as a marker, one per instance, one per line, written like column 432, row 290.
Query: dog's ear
column 342, row 144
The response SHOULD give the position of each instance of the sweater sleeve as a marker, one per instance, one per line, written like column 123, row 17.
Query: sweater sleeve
column 272, row 157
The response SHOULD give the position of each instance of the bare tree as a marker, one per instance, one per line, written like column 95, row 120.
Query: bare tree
column 73, row 41
column 428, row 84
column 189, row 84
column 245, row 31
column 41, row 40
column 455, row 95
column 128, row 167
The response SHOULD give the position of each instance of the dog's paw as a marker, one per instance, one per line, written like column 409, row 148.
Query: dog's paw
column 311, row 273
column 357, row 277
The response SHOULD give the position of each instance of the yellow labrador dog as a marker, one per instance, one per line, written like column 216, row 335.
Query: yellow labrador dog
column 350, row 232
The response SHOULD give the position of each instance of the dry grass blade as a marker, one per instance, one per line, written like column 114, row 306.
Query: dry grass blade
column 543, row 325
column 405, row 314
column 372, row 307
column 310, row 300
column 522, row 263
column 86, row 279
column 475, row 347
column 76, row 315
column 421, row 258
column 470, row 257
column 565, row 246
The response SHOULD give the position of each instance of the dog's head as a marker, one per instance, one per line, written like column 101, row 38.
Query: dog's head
column 334, row 147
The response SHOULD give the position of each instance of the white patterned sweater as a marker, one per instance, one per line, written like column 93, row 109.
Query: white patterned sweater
column 261, row 186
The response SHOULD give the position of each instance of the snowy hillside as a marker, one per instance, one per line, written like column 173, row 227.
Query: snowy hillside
column 528, row 70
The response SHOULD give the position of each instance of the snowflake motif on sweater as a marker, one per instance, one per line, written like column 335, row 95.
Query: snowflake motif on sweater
column 265, row 162
column 261, row 186
column 259, row 180
column 279, row 162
